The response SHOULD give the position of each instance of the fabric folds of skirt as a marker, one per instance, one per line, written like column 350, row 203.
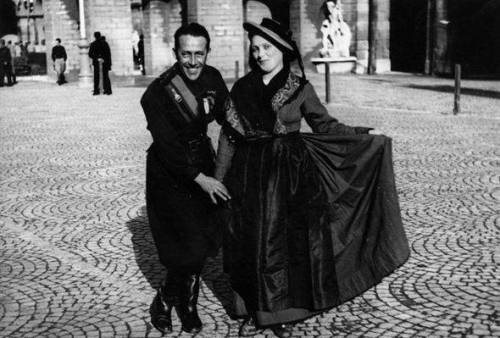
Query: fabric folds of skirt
column 315, row 221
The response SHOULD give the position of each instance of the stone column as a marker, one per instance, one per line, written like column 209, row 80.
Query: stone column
column 83, row 44
column 361, row 36
column 224, row 22
column 383, row 55
column 161, row 20
column 305, row 23
column 381, row 39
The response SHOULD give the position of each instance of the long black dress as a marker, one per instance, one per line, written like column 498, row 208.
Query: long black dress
column 314, row 218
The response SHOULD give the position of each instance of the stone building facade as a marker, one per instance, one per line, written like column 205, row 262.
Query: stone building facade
column 116, row 19
column 404, row 35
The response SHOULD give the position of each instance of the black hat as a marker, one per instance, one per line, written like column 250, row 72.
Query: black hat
column 273, row 31
column 277, row 34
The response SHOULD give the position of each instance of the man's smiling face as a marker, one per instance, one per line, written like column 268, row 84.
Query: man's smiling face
column 192, row 55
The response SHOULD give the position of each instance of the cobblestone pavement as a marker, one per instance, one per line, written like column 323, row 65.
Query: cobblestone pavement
column 77, row 259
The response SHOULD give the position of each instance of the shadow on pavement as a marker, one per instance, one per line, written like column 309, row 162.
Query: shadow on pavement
column 466, row 91
column 145, row 252
column 218, row 282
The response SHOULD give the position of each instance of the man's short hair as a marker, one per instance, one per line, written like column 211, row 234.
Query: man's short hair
column 193, row 29
column 58, row 40
column 97, row 35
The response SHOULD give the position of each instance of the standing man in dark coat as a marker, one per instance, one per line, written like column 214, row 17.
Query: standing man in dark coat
column 59, row 59
column 5, row 64
column 100, row 54
column 12, row 50
column 140, row 54
column 181, row 195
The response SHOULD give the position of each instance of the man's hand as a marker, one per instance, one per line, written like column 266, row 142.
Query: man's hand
column 212, row 187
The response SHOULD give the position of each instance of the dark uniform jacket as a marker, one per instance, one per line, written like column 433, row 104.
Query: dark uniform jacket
column 99, row 49
column 58, row 52
column 178, row 209
column 5, row 57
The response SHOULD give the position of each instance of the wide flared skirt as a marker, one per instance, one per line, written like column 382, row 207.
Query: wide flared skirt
column 315, row 221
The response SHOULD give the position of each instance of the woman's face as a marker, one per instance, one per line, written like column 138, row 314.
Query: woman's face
column 268, row 57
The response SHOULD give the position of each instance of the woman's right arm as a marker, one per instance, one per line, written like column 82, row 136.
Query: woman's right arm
column 225, row 152
column 231, row 131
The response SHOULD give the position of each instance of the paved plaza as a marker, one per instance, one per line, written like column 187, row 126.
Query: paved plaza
column 76, row 254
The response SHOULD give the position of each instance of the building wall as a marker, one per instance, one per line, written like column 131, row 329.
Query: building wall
column 59, row 22
column 224, row 22
column 305, row 23
column 256, row 10
column 222, row 18
column 161, row 20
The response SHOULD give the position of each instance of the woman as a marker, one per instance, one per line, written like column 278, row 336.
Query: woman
column 314, row 218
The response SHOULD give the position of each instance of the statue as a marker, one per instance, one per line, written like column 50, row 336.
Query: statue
column 336, row 33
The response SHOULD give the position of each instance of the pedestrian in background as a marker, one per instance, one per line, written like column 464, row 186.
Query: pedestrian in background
column 59, row 59
column 140, row 55
column 12, row 49
column 5, row 64
column 100, row 54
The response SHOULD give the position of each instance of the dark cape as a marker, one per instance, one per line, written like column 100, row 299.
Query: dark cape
column 314, row 219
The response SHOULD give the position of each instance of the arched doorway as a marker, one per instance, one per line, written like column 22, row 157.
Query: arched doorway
column 28, row 33
column 408, row 35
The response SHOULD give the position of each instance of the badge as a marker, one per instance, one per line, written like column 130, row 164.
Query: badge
column 177, row 97
column 206, row 105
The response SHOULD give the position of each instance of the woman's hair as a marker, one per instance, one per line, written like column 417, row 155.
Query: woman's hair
column 288, row 56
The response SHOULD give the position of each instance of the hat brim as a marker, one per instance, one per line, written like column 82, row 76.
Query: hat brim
column 253, row 28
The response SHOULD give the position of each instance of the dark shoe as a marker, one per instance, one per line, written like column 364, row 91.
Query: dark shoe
column 165, row 300
column 248, row 328
column 95, row 93
column 186, row 310
column 283, row 330
column 161, row 313
column 107, row 93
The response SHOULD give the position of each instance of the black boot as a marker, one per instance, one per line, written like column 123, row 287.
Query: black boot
column 161, row 307
column 186, row 310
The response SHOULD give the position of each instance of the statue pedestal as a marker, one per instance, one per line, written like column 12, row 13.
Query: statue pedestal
column 336, row 64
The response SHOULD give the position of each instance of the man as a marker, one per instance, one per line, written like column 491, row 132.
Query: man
column 12, row 50
column 5, row 64
column 59, row 59
column 100, row 54
column 140, row 54
column 180, row 193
